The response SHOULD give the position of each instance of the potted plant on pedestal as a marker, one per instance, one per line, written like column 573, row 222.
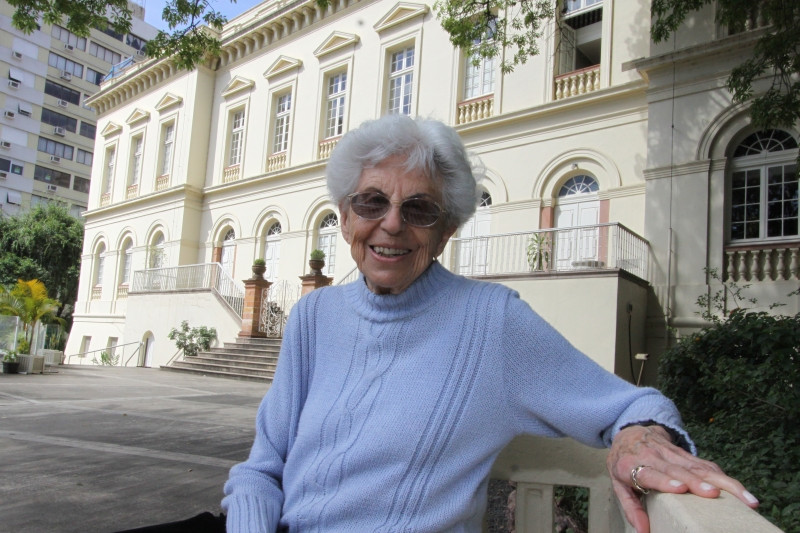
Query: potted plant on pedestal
column 317, row 261
column 259, row 267
column 10, row 363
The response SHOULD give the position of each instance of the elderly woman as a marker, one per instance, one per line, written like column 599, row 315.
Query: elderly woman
column 394, row 394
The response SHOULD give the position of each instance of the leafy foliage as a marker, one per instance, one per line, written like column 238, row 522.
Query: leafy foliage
column 737, row 384
column 28, row 300
column 776, row 53
column 78, row 16
column 107, row 359
column 45, row 244
column 192, row 340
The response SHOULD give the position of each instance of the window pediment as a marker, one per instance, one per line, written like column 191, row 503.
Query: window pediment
column 111, row 128
column 137, row 116
column 401, row 12
column 167, row 101
column 336, row 41
column 281, row 65
column 236, row 85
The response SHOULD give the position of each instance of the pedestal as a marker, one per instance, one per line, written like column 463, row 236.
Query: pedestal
column 314, row 281
column 251, row 310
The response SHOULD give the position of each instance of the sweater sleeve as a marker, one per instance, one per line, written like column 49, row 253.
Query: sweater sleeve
column 254, row 491
column 555, row 390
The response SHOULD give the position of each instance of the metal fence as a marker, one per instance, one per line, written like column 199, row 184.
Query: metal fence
column 276, row 303
column 595, row 247
column 202, row 276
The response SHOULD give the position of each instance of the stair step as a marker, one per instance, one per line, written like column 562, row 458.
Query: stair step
column 251, row 359
column 211, row 373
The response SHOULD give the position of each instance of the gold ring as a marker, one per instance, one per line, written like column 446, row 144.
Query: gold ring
column 635, row 481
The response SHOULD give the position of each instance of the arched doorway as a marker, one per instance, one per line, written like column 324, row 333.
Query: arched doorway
column 473, row 250
column 228, row 253
column 272, row 251
column 578, row 207
column 326, row 241
column 146, row 356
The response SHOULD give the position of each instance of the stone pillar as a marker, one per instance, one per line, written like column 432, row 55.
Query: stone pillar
column 314, row 281
column 251, row 310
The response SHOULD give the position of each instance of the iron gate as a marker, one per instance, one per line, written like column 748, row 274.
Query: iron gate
column 276, row 302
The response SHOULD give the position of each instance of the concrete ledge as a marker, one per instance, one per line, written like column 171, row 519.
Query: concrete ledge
column 687, row 513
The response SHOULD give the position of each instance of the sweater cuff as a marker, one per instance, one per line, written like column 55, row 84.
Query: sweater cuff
column 250, row 514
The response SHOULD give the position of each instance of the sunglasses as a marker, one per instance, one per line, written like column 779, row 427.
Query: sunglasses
column 415, row 211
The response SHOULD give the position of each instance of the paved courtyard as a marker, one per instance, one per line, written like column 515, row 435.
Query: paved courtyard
column 99, row 449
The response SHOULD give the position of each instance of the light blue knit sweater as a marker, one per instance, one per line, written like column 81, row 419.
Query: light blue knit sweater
column 387, row 412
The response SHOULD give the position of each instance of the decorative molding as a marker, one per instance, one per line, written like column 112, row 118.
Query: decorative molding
column 281, row 65
column 168, row 100
column 401, row 12
column 237, row 84
column 686, row 169
column 336, row 41
column 112, row 128
column 137, row 116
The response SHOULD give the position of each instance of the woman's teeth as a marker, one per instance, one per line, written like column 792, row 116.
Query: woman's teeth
column 389, row 251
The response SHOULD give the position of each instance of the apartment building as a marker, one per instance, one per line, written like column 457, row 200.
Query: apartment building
column 47, row 130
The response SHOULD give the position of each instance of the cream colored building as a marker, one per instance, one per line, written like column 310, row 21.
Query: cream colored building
column 225, row 164
column 47, row 130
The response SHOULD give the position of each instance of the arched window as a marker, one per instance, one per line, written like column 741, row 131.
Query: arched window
column 486, row 200
column 228, row 251
column 272, row 251
column 125, row 262
column 326, row 241
column 472, row 246
column 581, row 184
column 764, row 187
column 100, row 260
column 577, row 214
column 158, row 254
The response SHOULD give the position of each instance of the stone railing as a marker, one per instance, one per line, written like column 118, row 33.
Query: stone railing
column 276, row 161
column 475, row 109
column 326, row 147
column 122, row 291
column 132, row 191
column 105, row 199
column 577, row 82
column 231, row 173
column 97, row 292
column 777, row 262
column 162, row 182
column 537, row 465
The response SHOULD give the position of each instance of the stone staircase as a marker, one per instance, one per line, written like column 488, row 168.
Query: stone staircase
column 250, row 359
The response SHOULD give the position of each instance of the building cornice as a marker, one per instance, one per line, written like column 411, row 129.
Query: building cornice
column 687, row 169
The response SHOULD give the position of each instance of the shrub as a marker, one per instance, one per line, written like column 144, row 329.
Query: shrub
column 737, row 385
column 192, row 340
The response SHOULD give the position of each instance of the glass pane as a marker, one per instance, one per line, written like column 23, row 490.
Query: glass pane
column 790, row 227
column 774, row 228
column 737, row 180
column 751, row 231
column 737, row 214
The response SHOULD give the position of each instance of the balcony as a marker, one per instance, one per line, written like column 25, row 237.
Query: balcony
column 231, row 173
column 276, row 162
column 105, row 199
column 475, row 109
column 577, row 82
column 97, row 292
column 162, row 182
column 132, row 191
column 326, row 147
column 778, row 262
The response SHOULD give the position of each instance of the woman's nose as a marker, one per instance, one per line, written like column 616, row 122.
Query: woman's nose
column 392, row 222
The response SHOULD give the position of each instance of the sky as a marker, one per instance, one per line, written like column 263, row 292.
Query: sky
column 153, row 9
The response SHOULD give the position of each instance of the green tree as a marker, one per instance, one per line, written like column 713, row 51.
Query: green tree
column 43, row 243
column 189, row 40
column 28, row 300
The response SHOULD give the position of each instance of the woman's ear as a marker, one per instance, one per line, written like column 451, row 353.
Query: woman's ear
column 446, row 234
column 344, row 223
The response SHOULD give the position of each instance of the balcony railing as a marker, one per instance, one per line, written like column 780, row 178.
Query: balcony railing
column 475, row 109
column 209, row 276
column 105, row 199
column 97, row 292
column 777, row 262
column 132, row 191
column 276, row 161
column 231, row 173
column 326, row 147
column 580, row 248
column 577, row 82
column 161, row 182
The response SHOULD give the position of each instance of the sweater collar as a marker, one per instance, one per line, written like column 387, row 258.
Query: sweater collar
column 423, row 292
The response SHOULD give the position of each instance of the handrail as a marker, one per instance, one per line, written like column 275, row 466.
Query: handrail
column 352, row 275
column 115, row 346
column 134, row 353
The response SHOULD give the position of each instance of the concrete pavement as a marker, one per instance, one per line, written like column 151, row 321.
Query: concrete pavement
column 100, row 449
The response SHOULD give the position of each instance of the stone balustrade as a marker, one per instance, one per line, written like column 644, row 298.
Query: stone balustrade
column 97, row 292
column 162, row 182
column 778, row 262
column 231, row 173
column 577, row 82
column 475, row 109
column 326, row 147
column 276, row 162
column 132, row 191
column 122, row 291
column 105, row 199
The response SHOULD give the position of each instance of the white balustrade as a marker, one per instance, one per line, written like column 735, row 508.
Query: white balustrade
column 276, row 162
column 231, row 173
column 475, row 109
column 762, row 263
column 578, row 82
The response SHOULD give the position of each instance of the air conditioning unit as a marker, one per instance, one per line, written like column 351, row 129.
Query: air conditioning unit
column 62, row 103
column 5, row 144
column 13, row 84
column 69, row 48
column 55, row 159
column 65, row 75
column 52, row 188
column 24, row 112
column 9, row 114
column 16, row 55
column 140, row 54
column 58, row 130
column 3, row 175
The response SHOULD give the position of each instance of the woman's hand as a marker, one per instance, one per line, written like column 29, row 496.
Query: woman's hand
column 667, row 468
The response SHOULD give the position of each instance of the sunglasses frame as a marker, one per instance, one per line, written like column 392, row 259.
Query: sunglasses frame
column 442, row 211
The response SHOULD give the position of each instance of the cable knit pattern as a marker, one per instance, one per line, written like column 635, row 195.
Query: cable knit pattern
column 387, row 411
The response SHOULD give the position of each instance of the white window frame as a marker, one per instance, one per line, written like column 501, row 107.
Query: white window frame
column 109, row 163
column 281, row 122
column 327, row 235
column 136, row 158
column 336, row 87
column 167, row 147
column 401, row 73
column 237, row 119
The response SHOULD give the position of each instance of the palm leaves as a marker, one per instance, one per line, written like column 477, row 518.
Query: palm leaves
column 28, row 300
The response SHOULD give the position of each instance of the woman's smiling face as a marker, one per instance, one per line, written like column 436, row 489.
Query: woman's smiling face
column 390, row 253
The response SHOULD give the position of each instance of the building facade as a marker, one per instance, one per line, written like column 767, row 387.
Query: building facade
column 47, row 130
column 225, row 164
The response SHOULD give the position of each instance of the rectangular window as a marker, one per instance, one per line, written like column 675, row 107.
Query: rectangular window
column 101, row 52
column 67, row 37
column 77, row 210
column 283, row 110
column 84, row 157
column 62, row 93
column 8, row 166
column 55, row 148
column 108, row 169
column 57, row 119
column 571, row 6
column 88, row 130
column 80, row 184
column 168, row 138
column 135, row 41
column 137, row 149
column 53, row 177
column 237, row 138
column 94, row 76
column 401, row 77
column 67, row 65
column 334, row 116
column 108, row 30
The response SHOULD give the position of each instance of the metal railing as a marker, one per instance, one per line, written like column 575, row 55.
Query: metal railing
column 209, row 276
column 595, row 247
column 108, row 349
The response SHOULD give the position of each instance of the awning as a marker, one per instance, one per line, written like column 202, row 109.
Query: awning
column 15, row 74
column 25, row 108
column 14, row 197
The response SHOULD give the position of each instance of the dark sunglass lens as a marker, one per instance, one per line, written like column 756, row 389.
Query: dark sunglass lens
column 369, row 205
column 421, row 212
